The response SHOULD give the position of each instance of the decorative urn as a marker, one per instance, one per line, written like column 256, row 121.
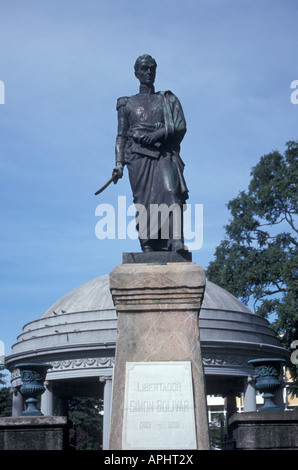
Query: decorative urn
column 33, row 378
column 267, row 372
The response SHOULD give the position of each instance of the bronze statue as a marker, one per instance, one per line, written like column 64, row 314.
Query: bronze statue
column 151, row 126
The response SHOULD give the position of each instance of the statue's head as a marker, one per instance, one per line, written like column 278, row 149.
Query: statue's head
column 145, row 69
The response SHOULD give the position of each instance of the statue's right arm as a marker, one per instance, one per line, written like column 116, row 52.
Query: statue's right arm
column 121, row 139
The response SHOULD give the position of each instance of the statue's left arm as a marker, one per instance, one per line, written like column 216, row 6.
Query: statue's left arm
column 174, row 119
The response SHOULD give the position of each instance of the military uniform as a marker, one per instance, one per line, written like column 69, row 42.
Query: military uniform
column 156, row 170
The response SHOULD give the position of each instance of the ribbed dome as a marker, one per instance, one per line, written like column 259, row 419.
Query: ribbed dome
column 88, row 297
column 95, row 295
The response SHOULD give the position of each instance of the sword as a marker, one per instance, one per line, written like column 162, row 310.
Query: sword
column 113, row 178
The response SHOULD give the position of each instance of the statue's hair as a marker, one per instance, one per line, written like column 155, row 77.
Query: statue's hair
column 141, row 59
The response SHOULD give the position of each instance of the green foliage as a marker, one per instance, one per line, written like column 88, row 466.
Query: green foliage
column 5, row 396
column 5, row 402
column 84, row 413
column 2, row 376
column 257, row 262
column 215, row 431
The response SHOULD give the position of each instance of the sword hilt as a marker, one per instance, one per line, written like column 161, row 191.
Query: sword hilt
column 113, row 178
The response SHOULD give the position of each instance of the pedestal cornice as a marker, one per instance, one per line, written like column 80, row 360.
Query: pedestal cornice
column 147, row 287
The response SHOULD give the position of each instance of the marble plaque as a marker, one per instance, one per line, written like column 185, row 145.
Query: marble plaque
column 159, row 406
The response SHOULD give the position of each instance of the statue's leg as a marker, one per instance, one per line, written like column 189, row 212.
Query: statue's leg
column 172, row 198
column 141, row 172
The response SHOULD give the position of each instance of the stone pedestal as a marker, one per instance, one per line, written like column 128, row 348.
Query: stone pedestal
column 158, row 307
column 271, row 430
column 34, row 433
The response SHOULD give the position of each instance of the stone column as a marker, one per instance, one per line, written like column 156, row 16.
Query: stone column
column 158, row 307
column 107, row 395
column 17, row 402
column 47, row 405
column 250, row 403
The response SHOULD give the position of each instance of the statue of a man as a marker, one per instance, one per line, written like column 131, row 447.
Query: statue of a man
column 151, row 126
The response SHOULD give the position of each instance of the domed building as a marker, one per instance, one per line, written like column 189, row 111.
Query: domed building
column 77, row 336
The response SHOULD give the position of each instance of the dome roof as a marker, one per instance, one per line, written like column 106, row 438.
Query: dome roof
column 90, row 296
column 95, row 295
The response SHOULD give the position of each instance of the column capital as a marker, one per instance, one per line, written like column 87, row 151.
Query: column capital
column 105, row 378
column 148, row 287
column 251, row 380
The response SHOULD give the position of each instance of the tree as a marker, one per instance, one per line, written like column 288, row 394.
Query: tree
column 2, row 375
column 216, row 431
column 257, row 262
column 84, row 413
column 5, row 396
column 5, row 402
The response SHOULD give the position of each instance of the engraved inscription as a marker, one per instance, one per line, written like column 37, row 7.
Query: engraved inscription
column 145, row 424
column 173, row 424
column 144, row 406
column 172, row 405
column 159, row 406
column 159, row 387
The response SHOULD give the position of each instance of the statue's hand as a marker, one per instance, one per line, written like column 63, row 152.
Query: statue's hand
column 153, row 137
column 119, row 168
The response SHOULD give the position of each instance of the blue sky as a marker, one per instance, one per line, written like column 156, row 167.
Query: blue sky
column 64, row 63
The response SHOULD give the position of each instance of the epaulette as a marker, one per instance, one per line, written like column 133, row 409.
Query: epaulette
column 166, row 92
column 121, row 101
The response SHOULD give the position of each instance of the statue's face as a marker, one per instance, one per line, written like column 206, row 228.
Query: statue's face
column 146, row 72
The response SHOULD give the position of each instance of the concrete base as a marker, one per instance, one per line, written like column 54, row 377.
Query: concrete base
column 34, row 433
column 158, row 307
column 276, row 430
